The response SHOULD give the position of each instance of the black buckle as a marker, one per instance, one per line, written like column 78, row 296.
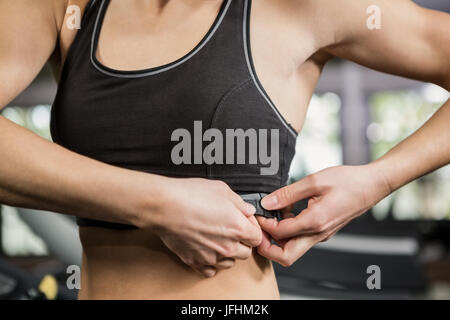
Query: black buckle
column 255, row 200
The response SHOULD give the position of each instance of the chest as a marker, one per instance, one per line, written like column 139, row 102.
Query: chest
column 133, row 37
column 136, row 36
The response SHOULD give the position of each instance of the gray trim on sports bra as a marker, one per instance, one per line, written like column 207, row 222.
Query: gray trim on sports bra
column 252, row 71
column 152, row 71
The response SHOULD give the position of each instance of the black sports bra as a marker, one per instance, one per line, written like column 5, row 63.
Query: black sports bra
column 204, row 115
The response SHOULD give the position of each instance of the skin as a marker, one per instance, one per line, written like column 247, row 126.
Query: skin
column 213, row 239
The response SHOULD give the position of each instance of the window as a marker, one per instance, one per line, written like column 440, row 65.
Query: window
column 318, row 145
column 396, row 115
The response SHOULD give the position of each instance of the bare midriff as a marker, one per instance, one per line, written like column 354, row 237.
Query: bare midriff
column 135, row 264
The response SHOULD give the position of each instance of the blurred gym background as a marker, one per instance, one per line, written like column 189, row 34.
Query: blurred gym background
column 356, row 115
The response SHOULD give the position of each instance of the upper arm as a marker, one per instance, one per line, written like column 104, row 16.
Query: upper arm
column 413, row 42
column 28, row 36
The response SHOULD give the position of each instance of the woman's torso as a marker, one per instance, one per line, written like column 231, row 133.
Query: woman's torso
column 131, row 263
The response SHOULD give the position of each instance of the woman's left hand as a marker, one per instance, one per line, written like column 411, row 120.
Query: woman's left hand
column 336, row 195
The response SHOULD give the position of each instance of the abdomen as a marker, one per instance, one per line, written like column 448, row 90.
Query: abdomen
column 134, row 264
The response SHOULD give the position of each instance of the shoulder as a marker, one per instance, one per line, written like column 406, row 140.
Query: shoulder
column 50, row 11
column 343, row 21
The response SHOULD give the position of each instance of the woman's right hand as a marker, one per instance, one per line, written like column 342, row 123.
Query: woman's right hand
column 205, row 223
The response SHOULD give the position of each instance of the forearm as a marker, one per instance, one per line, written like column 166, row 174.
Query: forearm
column 424, row 151
column 36, row 173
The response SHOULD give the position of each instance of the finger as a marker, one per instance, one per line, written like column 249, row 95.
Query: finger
column 309, row 221
column 284, row 215
column 254, row 221
column 268, row 249
column 290, row 194
column 312, row 200
column 225, row 263
column 206, row 271
column 266, row 240
column 242, row 252
column 290, row 251
column 247, row 209
column 250, row 234
column 297, row 247
column 287, row 215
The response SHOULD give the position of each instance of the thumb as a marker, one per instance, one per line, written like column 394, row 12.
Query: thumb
column 290, row 194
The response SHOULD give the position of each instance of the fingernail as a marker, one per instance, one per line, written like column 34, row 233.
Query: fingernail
column 210, row 273
column 270, row 201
